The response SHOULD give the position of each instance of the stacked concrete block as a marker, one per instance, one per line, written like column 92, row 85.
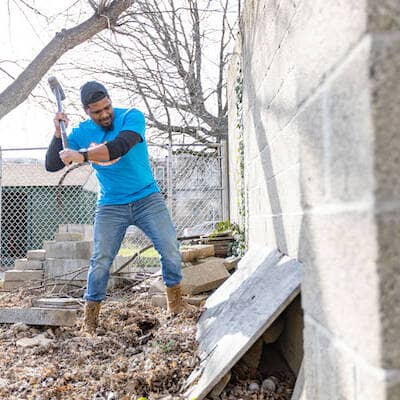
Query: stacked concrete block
column 68, row 257
column 196, row 252
column 27, row 271
column 320, row 115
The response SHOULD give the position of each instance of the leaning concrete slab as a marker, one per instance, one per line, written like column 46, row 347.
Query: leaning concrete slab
column 38, row 316
column 239, row 312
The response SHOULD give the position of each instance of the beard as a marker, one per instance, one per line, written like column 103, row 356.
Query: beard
column 109, row 127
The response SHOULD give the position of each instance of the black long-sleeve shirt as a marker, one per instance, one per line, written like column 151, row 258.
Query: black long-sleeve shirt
column 53, row 161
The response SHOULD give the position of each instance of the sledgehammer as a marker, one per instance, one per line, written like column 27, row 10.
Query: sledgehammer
column 58, row 91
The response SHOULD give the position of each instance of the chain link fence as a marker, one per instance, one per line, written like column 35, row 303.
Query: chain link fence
column 35, row 202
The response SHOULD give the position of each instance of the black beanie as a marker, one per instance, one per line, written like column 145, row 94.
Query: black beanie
column 91, row 92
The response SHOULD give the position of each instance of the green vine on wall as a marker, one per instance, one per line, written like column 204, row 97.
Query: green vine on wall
column 241, row 187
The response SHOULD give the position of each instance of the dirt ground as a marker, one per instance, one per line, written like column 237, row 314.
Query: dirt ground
column 139, row 352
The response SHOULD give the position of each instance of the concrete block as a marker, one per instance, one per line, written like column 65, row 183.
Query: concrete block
column 188, row 255
column 10, row 285
column 197, row 251
column 203, row 277
column 335, row 268
column 39, row 254
column 385, row 87
column 25, row 275
column 68, row 236
column 85, row 229
column 24, row 263
column 388, row 238
column 38, row 316
column 349, row 151
column 69, row 250
column 336, row 373
column 67, row 269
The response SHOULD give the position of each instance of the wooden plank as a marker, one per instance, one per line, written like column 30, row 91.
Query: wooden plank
column 239, row 312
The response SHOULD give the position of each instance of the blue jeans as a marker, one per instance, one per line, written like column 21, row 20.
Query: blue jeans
column 151, row 215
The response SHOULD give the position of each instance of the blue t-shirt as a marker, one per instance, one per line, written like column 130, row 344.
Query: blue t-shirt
column 127, row 178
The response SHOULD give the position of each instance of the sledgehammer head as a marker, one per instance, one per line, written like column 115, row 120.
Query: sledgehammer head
column 56, row 88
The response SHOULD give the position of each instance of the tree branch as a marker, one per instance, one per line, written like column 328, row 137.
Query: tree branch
column 65, row 40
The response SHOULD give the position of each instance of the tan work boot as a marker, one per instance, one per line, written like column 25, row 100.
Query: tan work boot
column 175, row 302
column 91, row 317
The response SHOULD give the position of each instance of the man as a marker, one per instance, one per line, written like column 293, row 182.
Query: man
column 113, row 141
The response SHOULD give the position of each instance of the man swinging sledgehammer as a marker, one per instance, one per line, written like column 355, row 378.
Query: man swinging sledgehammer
column 113, row 141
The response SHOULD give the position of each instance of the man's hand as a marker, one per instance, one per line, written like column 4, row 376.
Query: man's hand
column 68, row 156
column 60, row 116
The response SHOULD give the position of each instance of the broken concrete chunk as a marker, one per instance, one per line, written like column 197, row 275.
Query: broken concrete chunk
column 231, row 262
column 272, row 334
column 68, row 236
column 252, row 358
column 203, row 277
column 36, row 254
column 39, row 340
column 38, row 316
column 24, row 263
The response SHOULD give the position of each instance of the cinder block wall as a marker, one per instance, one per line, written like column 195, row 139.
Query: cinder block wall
column 321, row 120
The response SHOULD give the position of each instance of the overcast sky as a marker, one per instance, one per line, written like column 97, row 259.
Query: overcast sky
column 22, row 37
column 23, row 34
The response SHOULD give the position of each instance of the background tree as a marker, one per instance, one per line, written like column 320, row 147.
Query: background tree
column 106, row 14
column 171, row 57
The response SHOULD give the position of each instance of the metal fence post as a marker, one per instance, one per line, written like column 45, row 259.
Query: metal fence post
column 224, row 181
column 169, row 178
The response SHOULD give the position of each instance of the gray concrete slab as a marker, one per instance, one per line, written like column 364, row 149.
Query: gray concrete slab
column 239, row 312
column 38, row 316
column 57, row 302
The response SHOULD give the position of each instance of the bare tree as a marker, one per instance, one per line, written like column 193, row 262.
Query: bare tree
column 106, row 14
column 172, row 60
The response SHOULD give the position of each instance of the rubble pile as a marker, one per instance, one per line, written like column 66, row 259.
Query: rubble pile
column 139, row 352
